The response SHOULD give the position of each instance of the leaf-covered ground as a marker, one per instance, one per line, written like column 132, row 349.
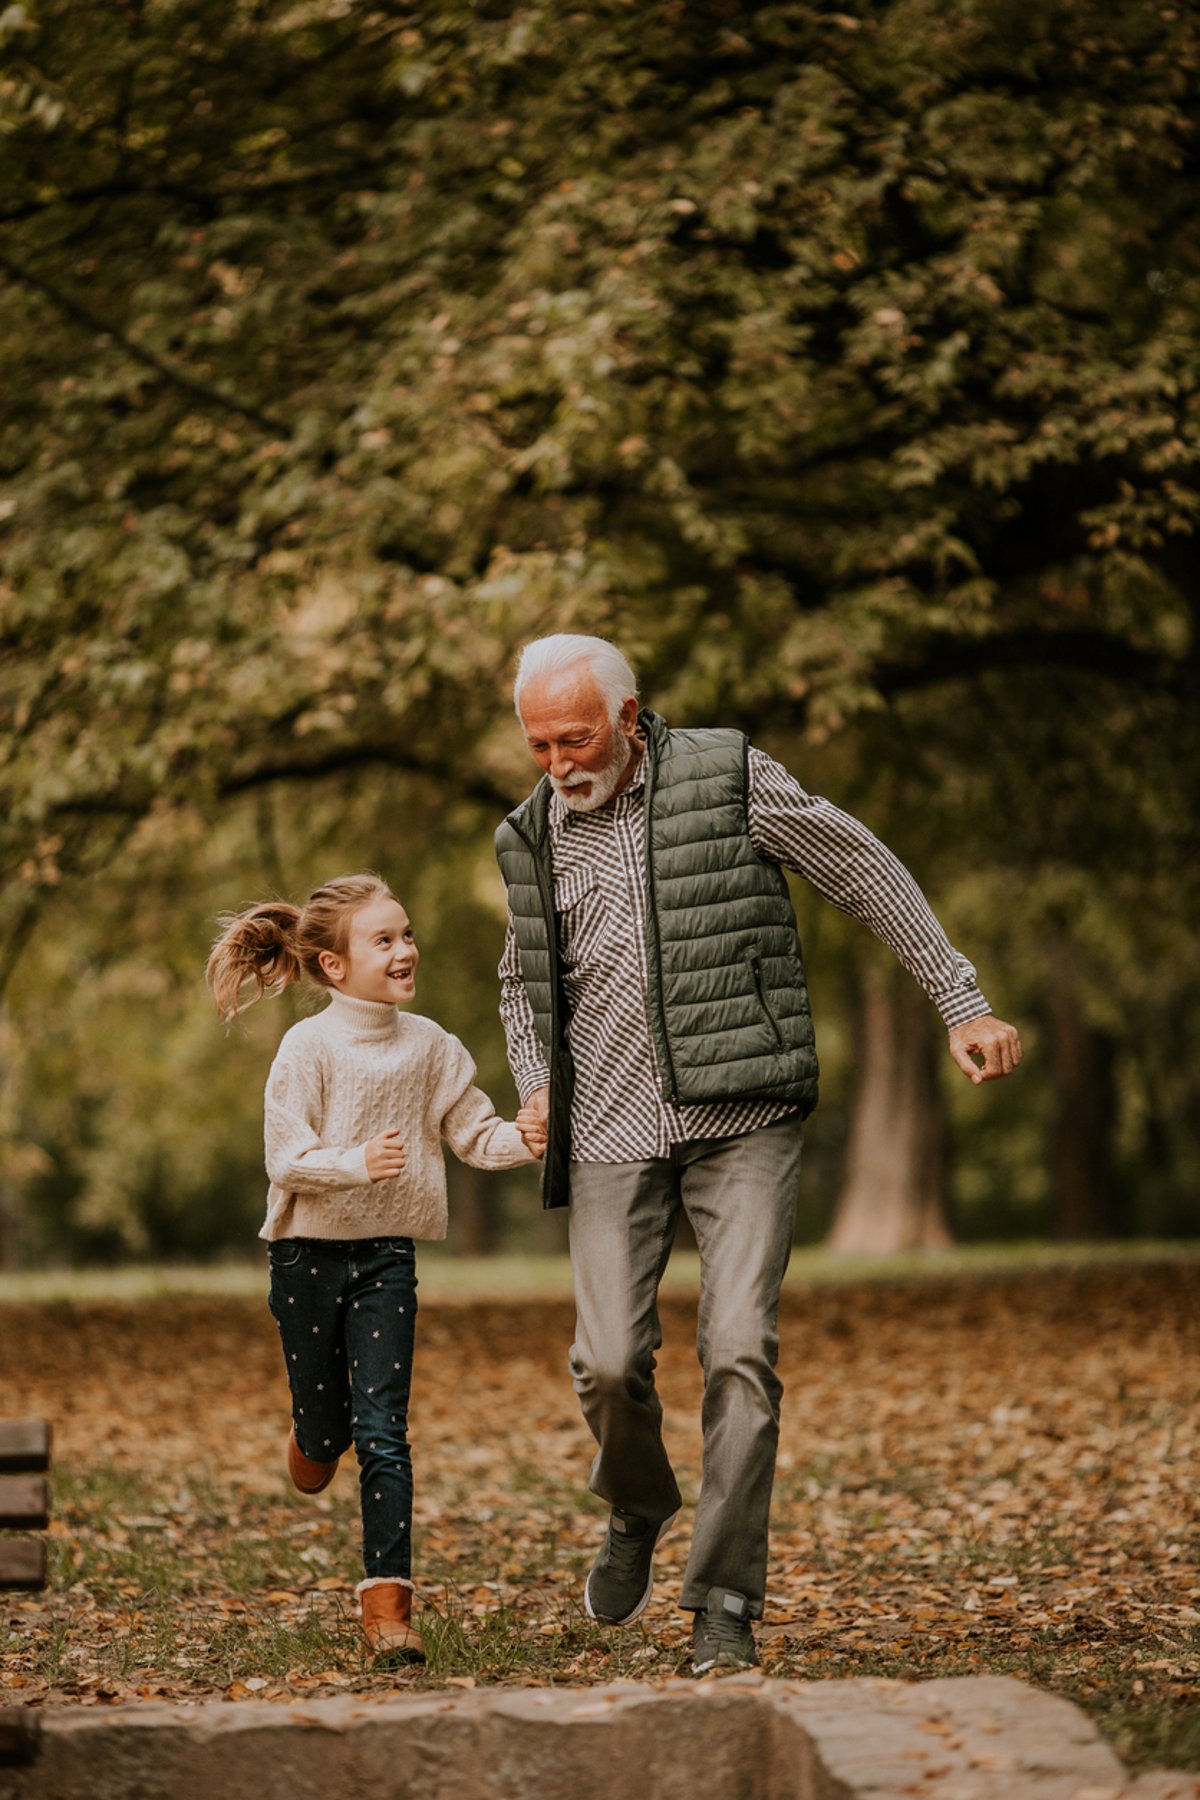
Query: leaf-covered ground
column 976, row 1474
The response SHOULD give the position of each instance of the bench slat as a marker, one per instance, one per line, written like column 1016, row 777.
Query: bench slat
column 22, row 1563
column 24, row 1502
column 24, row 1445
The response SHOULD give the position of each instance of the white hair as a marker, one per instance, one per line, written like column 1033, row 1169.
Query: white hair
column 567, row 650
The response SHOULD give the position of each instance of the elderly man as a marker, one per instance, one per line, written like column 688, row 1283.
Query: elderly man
column 658, row 1029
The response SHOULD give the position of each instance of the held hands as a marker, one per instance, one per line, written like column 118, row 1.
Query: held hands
column 385, row 1156
column 532, row 1122
column 990, row 1038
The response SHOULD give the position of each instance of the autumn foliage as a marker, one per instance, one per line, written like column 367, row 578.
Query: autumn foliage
column 987, row 1474
column 842, row 363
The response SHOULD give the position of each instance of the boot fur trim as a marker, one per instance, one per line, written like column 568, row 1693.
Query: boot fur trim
column 385, row 1581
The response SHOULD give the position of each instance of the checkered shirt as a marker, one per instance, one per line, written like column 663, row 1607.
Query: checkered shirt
column 621, row 1112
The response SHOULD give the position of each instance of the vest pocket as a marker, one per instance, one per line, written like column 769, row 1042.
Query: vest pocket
column 754, row 961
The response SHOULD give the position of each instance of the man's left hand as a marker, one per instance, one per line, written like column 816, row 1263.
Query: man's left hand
column 997, row 1043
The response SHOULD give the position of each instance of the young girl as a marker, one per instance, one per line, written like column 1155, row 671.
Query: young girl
column 358, row 1099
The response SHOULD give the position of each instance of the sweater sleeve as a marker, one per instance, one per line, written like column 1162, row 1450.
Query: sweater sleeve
column 298, row 1160
column 469, row 1122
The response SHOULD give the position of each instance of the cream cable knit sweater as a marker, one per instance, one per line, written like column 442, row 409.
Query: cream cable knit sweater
column 338, row 1080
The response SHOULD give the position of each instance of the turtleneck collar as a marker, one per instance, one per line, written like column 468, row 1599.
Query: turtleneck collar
column 363, row 1018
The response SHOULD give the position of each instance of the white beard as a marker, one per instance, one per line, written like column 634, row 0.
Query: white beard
column 604, row 782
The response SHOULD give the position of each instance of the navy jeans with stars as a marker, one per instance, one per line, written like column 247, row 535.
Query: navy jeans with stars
column 346, row 1310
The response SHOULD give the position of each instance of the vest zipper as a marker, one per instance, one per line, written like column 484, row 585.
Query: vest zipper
column 760, row 989
column 557, row 1046
column 547, row 893
column 652, row 933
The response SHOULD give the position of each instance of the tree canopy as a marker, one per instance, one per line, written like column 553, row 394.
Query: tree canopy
column 843, row 363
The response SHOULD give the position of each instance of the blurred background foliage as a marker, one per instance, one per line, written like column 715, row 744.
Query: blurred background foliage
column 842, row 365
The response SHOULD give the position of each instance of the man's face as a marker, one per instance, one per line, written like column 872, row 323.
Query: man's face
column 573, row 740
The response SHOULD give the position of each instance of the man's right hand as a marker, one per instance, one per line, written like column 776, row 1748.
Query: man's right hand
column 533, row 1121
column 385, row 1156
column 997, row 1044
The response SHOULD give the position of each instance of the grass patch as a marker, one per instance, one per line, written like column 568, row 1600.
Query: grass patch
column 446, row 1277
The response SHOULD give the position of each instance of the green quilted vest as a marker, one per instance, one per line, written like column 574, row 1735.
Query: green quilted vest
column 727, row 999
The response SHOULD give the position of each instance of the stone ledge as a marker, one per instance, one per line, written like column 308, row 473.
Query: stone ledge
column 979, row 1738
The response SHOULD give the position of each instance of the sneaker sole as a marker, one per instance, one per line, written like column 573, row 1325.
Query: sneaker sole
column 723, row 1662
column 643, row 1603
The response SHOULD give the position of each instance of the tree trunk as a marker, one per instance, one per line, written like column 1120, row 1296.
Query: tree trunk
column 9, row 1194
column 1081, row 1152
column 474, row 1210
column 893, row 1189
column 9, row 1254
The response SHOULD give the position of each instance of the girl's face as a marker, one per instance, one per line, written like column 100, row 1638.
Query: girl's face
column 381, row 955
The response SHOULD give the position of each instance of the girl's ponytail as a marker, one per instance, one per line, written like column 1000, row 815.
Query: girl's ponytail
column 277, row 943
column 259, row 945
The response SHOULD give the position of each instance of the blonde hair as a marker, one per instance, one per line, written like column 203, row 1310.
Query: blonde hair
column 276, row 943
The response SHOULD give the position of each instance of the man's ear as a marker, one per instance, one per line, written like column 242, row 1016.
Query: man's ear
column 629, row 715
column 332, row 965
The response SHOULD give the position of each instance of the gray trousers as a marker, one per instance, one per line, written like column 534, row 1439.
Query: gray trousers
column 740, row 1196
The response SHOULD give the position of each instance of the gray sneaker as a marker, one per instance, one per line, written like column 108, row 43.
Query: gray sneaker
column 621, row 1579
column 721, row 1634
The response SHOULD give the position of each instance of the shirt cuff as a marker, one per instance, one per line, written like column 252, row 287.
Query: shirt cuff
column 530, row 1080
column 960, row 1006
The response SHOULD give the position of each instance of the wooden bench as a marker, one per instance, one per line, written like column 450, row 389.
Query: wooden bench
column 24, row 1506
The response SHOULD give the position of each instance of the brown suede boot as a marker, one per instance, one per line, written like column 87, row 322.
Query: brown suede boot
column 387, row 1620
column 309, row 1476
